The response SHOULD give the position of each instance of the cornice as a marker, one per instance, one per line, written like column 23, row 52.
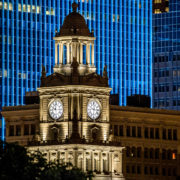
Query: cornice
column 21, row 107
column 74, row 89
column 143, row 110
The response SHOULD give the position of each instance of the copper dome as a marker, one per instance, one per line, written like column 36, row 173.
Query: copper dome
column 74, row 25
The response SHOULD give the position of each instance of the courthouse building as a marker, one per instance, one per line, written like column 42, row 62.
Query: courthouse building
column 70, row 118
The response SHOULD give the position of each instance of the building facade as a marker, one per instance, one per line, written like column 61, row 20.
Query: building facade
column 166, row 55
column 124, row 43
column 151, row 138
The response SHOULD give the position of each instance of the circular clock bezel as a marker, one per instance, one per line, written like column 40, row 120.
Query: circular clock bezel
column 51, row 102
column 100, row 107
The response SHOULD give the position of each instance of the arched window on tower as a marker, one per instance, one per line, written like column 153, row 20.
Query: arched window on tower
column 84, row 54
column 65, row 54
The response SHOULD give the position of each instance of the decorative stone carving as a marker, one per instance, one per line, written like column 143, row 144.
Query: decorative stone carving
column 96, row 156
column 116, row 157
column 70, row 156
column 104, row 156
column 58, row 79
column 62, row 155
column 88, row 155
column 80, row 155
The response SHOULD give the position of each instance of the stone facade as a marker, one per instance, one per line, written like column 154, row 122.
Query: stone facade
column 152, row 141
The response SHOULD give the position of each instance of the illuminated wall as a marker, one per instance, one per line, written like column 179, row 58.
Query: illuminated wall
column 123, row 30
column 166, row 56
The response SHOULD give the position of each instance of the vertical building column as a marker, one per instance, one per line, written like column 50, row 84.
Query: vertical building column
column 73, row 50
column 84, row 161
column 88, row 53
column 81, row 53
column 56, row 53
column 101, row 163
column 92, row 161
column 77, row 51
column 110, row 162
column 71, row 59
column 92, row 54
column 61, row 53
column 67, row 54
column 120, row 168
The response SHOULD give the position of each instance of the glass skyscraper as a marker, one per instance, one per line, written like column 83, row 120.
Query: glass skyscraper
column 166, row 54
column 123, row 31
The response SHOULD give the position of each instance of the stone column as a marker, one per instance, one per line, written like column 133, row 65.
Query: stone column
column 92, row 54
column 73, row 50
column 81, row 53
column 88, row 53
column 120, row 158
column 92, row 161
column 61, row 53
column 67, row 54
column 110, row 162
column 84, row 162
column 77, row 51
column 101, row 163
column 56, row 53
column 71, row 55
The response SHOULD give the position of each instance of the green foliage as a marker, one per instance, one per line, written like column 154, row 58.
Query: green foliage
column 17, row 164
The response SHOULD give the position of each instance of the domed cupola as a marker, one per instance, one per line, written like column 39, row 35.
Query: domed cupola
column 74, row 41
column 74, row 25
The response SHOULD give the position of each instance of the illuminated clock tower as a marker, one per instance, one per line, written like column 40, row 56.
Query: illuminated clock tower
column 74, row 106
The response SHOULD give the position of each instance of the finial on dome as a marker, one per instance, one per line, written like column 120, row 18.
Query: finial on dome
column 74, row 6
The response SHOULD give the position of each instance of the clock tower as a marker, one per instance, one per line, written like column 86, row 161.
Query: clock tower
column 73, row 116
column 74, row 89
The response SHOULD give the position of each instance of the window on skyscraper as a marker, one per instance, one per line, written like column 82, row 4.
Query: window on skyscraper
column 169, row 134
column 145, row 170
column 152, row 133
column 138, row 169
column 139, row 152
column 33, row 129
column 133, row 131
column 139, row 131
column 11, row 130
column 121, row 130
column 146, row 133
column 157, row 133
column 146, row 153
column 175, row 134
column 151, row 170
column 26, row 129
column 164, row 133
column 163, row 154
column 18, row 130
column 156, row 153
column 128, row 131
column 156, row 170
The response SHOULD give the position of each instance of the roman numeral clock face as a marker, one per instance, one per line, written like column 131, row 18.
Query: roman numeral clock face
column 93, row 109
column 56, row 109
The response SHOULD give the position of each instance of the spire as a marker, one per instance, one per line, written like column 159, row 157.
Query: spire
column 43, row 73
column 74, row 6
column 43, row 76
column 105, row 72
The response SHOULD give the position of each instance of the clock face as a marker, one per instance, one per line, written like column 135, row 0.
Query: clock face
column 93, row 109
column 56, row 109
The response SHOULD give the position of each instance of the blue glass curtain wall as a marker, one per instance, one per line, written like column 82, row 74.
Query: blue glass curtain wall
column 166, row 58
